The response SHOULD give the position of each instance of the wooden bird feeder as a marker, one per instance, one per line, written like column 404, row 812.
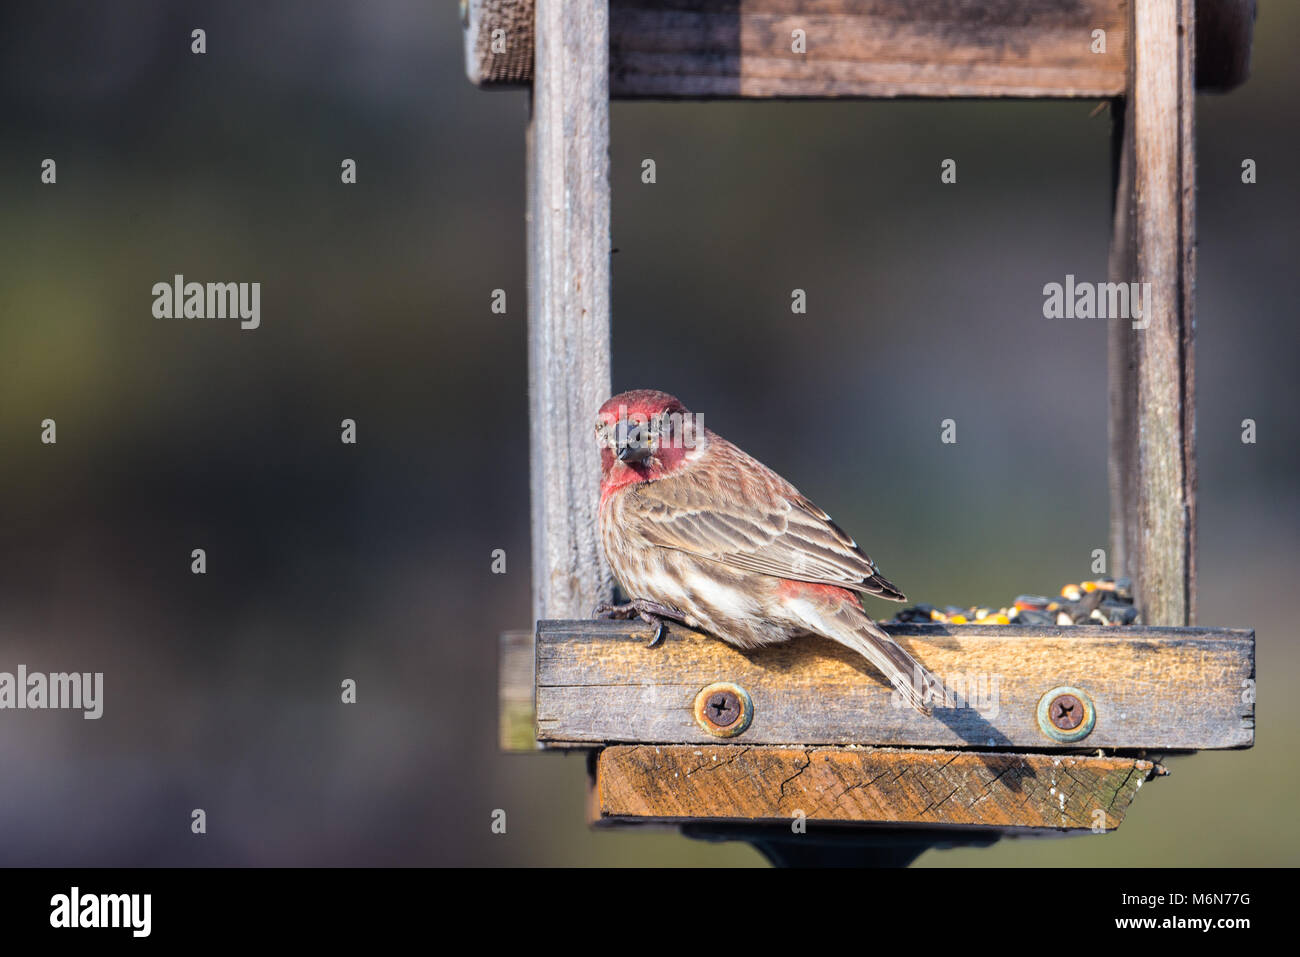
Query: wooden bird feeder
column 807, row 730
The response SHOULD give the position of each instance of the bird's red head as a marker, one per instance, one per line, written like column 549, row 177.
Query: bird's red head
column 643, row 435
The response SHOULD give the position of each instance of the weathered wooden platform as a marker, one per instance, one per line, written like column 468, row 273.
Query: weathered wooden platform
column 597, row 682
column 825, row 738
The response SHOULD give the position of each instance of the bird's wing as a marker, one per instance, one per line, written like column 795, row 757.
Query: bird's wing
column 736, row 511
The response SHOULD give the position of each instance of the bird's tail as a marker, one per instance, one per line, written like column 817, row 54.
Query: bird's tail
column 914, row 682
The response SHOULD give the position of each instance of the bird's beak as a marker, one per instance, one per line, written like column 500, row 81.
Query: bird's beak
column 637, row 454
column 635, row 446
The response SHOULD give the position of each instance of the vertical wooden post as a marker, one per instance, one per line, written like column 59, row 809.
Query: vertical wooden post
column 568, row 300
column 1152, row 387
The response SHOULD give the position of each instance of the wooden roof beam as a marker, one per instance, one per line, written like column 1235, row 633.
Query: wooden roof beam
column 685, row 49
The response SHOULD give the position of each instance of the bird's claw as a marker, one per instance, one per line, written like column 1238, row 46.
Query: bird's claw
column 658, row 636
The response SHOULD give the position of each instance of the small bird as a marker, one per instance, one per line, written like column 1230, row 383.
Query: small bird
column 701, row 533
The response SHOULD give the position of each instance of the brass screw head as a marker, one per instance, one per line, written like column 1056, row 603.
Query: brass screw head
column 723, row 709
column 1066, row 714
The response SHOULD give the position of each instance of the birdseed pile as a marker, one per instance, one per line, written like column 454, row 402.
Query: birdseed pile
column 1106, row 601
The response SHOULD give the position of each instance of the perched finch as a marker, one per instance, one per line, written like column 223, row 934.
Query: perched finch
column 698, row 532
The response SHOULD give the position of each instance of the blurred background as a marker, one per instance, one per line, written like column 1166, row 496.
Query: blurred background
column 373, row 561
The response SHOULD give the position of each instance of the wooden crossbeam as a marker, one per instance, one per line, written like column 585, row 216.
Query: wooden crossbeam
column 858, row 48
column 731, row 783
column 597, row 682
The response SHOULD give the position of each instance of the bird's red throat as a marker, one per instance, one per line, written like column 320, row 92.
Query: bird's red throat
column 616, row 475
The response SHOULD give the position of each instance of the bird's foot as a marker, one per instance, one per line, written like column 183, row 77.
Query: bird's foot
column 651, row 612
column 607, row 609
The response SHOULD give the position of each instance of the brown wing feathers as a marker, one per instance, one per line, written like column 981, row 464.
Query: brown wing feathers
column 760, row 524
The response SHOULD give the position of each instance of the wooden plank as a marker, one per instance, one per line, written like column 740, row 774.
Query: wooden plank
column 568, row 302
column 878, row 48
column 1160, row 688
column 516, row 712
column 1152, row 390
column 732, row 783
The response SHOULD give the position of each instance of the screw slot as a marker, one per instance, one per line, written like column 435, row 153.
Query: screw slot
column 1065, row 712
column 723, row 709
